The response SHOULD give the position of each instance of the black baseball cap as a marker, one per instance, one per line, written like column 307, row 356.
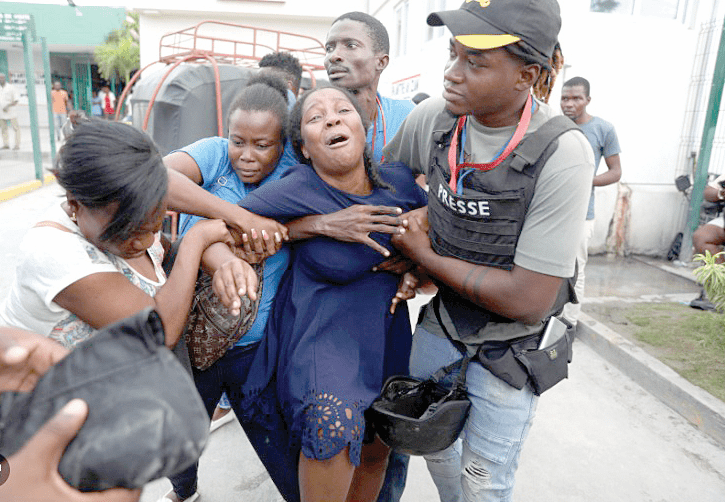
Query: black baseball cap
column 487, row 24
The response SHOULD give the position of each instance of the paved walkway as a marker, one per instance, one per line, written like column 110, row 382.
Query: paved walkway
column 598, row 437
column 17, row 167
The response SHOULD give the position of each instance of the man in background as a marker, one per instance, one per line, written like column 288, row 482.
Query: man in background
column 287, row 67
column 108, row 102
column 357, row 49
column 603, row 138
column 61, row 107
column 8, row 113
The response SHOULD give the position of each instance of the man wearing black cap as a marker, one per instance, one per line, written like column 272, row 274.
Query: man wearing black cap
column 509, row 188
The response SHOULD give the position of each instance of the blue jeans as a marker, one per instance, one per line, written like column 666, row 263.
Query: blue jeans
column 58, row 121
column 395, row 477
column 482, row 464
column 228, row 375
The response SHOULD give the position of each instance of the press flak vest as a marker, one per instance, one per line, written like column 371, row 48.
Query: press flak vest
column 482, row 225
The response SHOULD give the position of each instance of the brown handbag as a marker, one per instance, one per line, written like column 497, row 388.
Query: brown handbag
column 210, row 329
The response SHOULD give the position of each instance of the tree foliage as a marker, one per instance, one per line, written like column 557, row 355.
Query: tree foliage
column 120, row 54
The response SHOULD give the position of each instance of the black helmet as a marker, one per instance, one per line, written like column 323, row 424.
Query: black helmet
column 419, row 417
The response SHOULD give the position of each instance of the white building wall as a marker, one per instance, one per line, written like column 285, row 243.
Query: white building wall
column 639, row 69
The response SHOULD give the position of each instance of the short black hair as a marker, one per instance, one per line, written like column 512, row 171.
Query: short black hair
column 263, row 92
column 286, row 62
column 572, row 82
column 105, row 162
column 294, row 131
column 376, row 30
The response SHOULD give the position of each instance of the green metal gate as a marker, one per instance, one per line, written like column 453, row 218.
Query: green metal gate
column 81, row 85
column 4, row 64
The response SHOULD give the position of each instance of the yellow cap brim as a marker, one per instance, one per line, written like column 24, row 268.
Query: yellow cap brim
column 484, row 42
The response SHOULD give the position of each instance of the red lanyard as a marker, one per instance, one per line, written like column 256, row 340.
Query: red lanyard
column 513, row 143
column 375, row 126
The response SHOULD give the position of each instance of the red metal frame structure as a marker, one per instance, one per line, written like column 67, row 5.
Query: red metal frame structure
column 242, row 45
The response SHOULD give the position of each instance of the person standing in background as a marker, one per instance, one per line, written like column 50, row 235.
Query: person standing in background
column 357, row 49
column 8, row 113
column 96, row 105
column 603, row 138
column 108, row 102
column 288, row 68
column 61, row 106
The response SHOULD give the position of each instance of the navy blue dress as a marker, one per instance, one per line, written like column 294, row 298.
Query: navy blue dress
column 331, row 341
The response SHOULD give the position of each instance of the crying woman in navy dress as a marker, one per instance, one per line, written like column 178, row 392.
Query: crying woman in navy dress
column 331, row 340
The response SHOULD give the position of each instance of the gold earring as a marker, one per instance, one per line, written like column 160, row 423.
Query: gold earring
column 73, row 217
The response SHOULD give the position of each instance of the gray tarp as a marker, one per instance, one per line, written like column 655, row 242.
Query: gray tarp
column 185, row 107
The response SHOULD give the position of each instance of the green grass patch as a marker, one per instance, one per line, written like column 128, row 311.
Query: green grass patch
column 691, row 342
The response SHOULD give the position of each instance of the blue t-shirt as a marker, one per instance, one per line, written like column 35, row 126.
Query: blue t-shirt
column 219, row 178
column 387, row 123
column 603, row 138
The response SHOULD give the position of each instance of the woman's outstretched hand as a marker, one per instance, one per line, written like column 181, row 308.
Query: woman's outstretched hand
column 352, row 224
column 232, row 280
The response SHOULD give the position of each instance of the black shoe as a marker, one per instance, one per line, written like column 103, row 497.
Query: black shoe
column 702, row 303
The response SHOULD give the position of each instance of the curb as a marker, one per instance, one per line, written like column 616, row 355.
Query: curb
column 13, row 191
column 700, row 408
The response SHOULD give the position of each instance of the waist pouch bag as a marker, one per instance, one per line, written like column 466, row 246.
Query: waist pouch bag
column 520, row 361
column 145, row 420
column 210, row 329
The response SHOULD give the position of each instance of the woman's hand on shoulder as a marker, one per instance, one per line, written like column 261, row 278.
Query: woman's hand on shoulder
column 232, row 280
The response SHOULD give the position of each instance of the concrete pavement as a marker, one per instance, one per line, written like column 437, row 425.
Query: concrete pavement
column 599, row 436
column 17, row 167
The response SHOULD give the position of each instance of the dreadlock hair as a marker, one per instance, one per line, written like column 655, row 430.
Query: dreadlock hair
column 376, row 30
column 294, row 132
column 550, row 67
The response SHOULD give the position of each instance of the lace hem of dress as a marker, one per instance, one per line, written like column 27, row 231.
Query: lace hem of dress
column 331, row 424
column 328, row 424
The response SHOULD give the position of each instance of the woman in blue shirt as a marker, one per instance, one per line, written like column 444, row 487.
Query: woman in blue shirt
column 231, row 168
